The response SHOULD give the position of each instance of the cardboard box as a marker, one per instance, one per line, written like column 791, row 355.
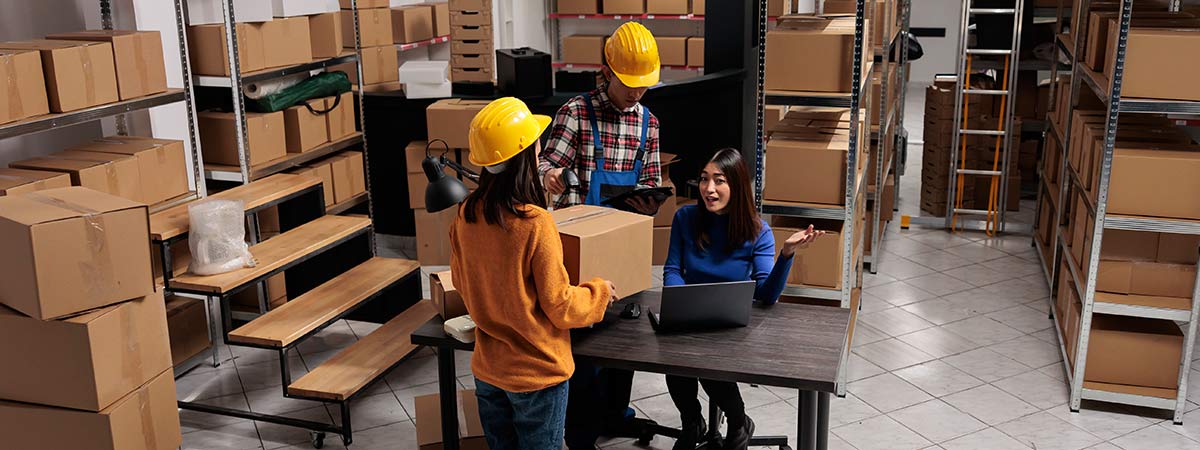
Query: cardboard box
column 468, row 32
column 137, row 56
column 412, row 24
column 374, row 27
column 162, row 163
column 363, row 4
column 339, row 122
column 339, row 167
column 21, row 181
column 69, row 363
column 433, row 236
column 450, row 120
column 78, row 74
column 580, row 49
column 793, row 52
column 623, row 6
column 304, row 129
column 578, row 7
column 695, row 51
column 1134, row 351
column 662, row 244
column 209, row 12
column 483, row 61
column 1148, row 51
column 325, row 31
column 265, row 133
column 1146, row 278
column 1139, row 177
column 380, row 65
column 358, row 171
column 27, row 97
column 287, row 42
column 206, row 44
column 471, row 46
column 471, row 5
column 672, row 51
column 105, row 172
column 468, row 18
column 810, row 170
column 818, row 264
column 666, row 211
column 294, row 8
column 667, row 7
column 325, row 172
column 698, row 7
column 446, row 299
column 1172, row 248
column 71, row 250
column 606, row 243
column 429, row 422
column 441, row 18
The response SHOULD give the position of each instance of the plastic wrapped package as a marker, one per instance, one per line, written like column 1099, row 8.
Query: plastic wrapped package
column 217, row 237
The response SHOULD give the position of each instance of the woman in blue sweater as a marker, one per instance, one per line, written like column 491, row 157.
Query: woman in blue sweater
column 720, row 239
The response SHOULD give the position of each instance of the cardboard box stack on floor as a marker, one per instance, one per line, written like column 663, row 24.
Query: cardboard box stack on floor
column 938, row 136
column 82, row 330
column 472, row 47
column 448, row 121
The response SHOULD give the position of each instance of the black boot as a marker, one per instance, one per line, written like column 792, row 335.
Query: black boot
column 739, row 437
column 691, row 434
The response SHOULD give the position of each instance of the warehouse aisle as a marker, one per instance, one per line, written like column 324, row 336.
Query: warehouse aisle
column 954, row 350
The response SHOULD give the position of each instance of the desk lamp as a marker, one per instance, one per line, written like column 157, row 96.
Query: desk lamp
column 444, row 192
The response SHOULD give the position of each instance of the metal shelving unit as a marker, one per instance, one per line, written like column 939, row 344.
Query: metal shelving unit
column 1109, row 91
column 890, row 115
column 221, row 172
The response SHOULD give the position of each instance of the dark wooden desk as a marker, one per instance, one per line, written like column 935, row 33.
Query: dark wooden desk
column 785, row 345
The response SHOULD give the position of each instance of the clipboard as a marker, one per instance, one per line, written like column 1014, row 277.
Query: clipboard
column 658, row 194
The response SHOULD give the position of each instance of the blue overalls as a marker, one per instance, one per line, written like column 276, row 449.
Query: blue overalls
column 606, row 184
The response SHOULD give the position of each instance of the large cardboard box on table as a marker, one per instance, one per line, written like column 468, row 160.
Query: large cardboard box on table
column 145, row 419
column 206, row 43
column 606, row 243
column 433, row 236
column 74, row 363
column 339, row 122
column 324, row 171
column 374, row 27
column 187, row 328
column 578, row 6
column 672, row 50
column 287, row 42
column 1134, row 351
column 820, row 262
column 429, row 422
column 1147, row 52
column 793, row 51
column 304, row 129
column 72, row 249
column 104, row 172
column 22, row 181
column 450, row 120
column 445, row 298
column 809, row 168
column 411, row 24
column 163, row 163
column 26, row 96
column 623, row 6
column 325, row 31
column 264, row 132
column 138, row 58
column 78, row 74
column 580, row 49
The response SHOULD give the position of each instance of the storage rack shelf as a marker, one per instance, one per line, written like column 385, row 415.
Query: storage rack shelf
column 1083, row 274
column 269, row 74
column 221, row 172
column 419, row 44
column 628, row 16
column 562, row 65
column 347, row 205
column 53, row 121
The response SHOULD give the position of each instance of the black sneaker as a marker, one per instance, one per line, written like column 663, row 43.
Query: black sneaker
column 691, row 434
column 739, row 439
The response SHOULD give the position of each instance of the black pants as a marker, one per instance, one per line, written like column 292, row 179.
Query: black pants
column 597, row 401
column 725, row 394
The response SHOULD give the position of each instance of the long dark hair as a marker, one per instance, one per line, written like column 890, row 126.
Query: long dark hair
column 744, row 222
column 507, row 191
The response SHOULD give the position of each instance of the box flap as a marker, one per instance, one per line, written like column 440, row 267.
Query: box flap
column 444, row 278
column 57, row 163
column 118, row 147
column 85, row 155
column 93, row 33
column 57, row 204
column 10, row 177
column 47, row 44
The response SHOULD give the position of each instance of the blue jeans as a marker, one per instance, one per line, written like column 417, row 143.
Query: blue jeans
column 522, row 420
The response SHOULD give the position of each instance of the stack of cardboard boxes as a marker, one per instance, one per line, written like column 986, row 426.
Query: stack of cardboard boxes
column 379, row 59
column 83, row 332
column 449, row 121
column 144, row 170
column 472, row 47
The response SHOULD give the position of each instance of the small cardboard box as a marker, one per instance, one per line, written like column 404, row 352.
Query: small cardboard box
column 162, row 162
column 608, row 244
column 806, row 169
column 339, row 167
column 325, row 172
column 265, row 133
column 450, row 120
column 78, row 74
column 433, row 236
column 820, row 262
column 145, row 419
column 206, row 43
column 578, row 6
column 27, row 97
column 72, row 249
column 429, row 422
column 21, row 181
column 287, row 42
column 667, row 7
column 672, row 51
column 339, row 122
column 105, row 172
column 374, row 27
column 208, row 12
column 1140, row 176
column 471, row 5
column 579, row 49
column 305, row 130
column 698, row 7
column 1147, row 52
column 441, row 18
column 468, row 32
column 412, row 24
column 294, row 8
column 187, row 328
column 325, row 30
column 623, row 6
column 695, row 51
column 465, row 18
column 71, row 363
column 1134, row 351
column 380, row 65
column 662, row 244
column 138, row 57
column 793, row 52
column 358, row 171
column 446, row 299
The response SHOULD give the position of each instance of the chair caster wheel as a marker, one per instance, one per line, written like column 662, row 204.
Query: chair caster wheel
column 318, row 439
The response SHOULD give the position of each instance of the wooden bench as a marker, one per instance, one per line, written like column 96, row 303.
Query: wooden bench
column 174, row 222
column 355, row 367
column 325, row 304
column 278, row 253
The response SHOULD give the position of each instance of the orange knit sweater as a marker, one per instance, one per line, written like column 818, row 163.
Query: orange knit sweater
column 517, row 291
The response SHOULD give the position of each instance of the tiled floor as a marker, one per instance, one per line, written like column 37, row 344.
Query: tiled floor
column 954, row 351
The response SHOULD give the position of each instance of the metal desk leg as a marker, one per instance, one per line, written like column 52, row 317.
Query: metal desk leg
column 822, row 430
column 214, row 336
column 806, row 439
column 448, row 397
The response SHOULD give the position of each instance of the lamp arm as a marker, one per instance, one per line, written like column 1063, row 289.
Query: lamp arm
column 470, row 174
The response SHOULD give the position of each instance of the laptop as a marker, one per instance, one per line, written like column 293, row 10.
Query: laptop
column 696, row 307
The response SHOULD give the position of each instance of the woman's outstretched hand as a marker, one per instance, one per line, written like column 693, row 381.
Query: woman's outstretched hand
column 803, row 237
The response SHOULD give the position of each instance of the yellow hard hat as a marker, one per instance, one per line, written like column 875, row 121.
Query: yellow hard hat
column 632, row 54
column 502, row 129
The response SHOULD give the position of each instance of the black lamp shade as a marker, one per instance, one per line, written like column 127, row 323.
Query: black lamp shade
column 442, row 192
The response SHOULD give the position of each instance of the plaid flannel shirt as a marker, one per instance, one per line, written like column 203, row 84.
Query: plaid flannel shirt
column 570, row 144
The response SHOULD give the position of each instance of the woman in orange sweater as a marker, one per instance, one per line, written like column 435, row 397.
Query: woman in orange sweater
column 507, row 261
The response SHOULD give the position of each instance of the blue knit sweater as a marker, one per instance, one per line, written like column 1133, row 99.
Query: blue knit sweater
column 686, row 264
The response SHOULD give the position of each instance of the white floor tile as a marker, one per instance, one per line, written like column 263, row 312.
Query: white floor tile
column 1106, row 421
column 371, row 411
column 1043, row 431
column 990, row 404
column 988, row 439
column 899, row 293
column 881, row 433
column 983, row 330
column 859, row 368
column 892, row 354
column 903, row 269
column 939, row 260
column 239, row 436
column 887, row 392
column 1030, row 351
column 938, row 342
column 843, row 411
column 976, row 252
column 979, row 275
column 940, row 284
column 939, row 311
column 865, row 334
column 937, row 421
column 1024, row 318
column 938, row 378
column 1036, row 389
column 895, row 321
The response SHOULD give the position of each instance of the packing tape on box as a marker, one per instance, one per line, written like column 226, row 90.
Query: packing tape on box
column 97, row 269
column 89, row 75
column 149, row 437
column 584, row 217
column 131, row 367
column 14, row 92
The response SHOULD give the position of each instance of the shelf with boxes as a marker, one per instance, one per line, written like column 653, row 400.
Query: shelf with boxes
column 225, row 172
column 627, row 16
column 280, row 72
column 578, row 33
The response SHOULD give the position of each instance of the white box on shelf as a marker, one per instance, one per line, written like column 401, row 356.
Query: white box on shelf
column 428, row 72
column 207, row 12
column 427, row 90
column 294, row 8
